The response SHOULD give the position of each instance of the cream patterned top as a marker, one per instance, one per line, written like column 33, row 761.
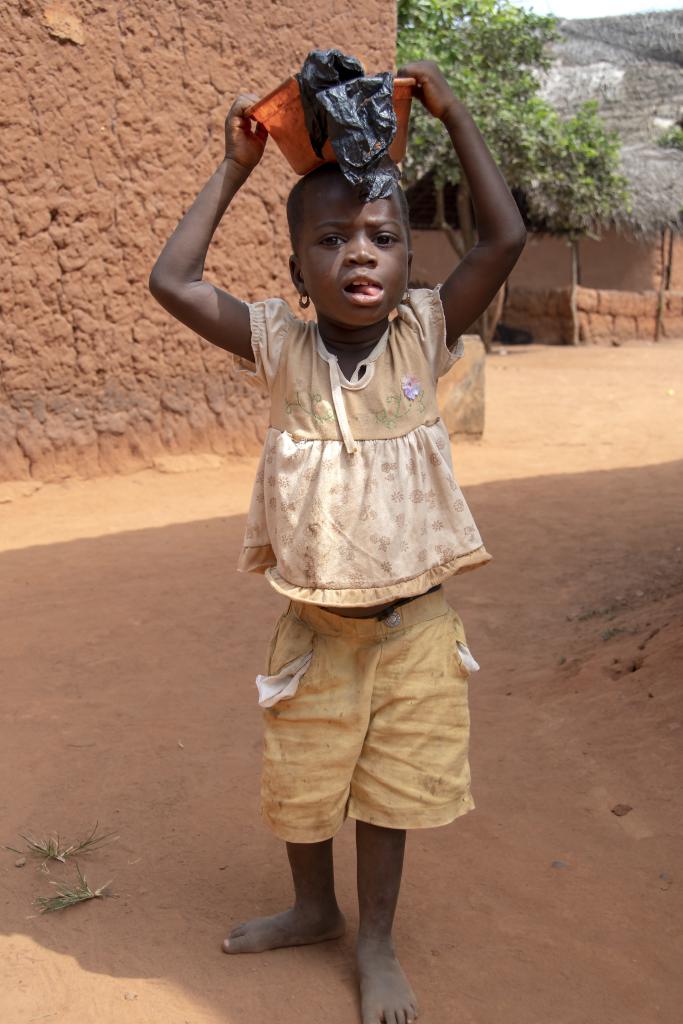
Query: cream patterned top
column 355, row 502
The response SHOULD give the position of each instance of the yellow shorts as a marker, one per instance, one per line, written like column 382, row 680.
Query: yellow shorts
column 378, row 728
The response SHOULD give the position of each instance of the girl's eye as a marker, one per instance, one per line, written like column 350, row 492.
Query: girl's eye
column 385, row 238
column 331, row 240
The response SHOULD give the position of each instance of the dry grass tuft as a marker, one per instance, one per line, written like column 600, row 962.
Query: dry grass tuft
column 52, row 847
column 68, row 895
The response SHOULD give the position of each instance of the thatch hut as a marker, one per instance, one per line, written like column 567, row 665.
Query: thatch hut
column 631, row 277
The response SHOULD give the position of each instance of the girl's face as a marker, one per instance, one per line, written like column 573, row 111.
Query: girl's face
column 352, row 258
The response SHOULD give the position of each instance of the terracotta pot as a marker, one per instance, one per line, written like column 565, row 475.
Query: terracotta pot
column 282, row 115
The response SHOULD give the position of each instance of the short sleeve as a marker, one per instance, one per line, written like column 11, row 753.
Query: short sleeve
column 271, row 324
column 423, row 312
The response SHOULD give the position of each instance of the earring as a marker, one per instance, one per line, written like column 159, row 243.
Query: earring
column 304, row 300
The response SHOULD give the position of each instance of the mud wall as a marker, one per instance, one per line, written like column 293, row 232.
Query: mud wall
column 620, row 262
column 621, row 277
column 606, row 317
column 545, row 263
column 112, row 121
column 615, row 261
column 433, row 257
column 676, row 283
column 619, row 299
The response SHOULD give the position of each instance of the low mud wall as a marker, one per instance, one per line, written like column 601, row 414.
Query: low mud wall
column 605, row 317
column 112, row 121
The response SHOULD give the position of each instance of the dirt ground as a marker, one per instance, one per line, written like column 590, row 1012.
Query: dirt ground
column 129, row 648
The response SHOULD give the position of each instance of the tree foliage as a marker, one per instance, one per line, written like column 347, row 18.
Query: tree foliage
column 576, row 183
column 672, row 138
column 490, row 52
column 493, row 53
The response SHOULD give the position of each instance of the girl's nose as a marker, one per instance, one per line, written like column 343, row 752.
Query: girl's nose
column 360, row 253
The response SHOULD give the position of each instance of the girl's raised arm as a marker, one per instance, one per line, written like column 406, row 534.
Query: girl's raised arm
column 469, row 289
column 176, row 281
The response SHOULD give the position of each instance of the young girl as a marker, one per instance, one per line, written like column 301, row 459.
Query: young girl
column 356, row 518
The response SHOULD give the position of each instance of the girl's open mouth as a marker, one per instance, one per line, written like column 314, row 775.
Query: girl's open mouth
column 364, row 292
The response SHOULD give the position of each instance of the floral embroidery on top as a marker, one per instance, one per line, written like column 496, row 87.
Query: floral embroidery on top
column 325, row 414
column 411, row 387
column 397, row 408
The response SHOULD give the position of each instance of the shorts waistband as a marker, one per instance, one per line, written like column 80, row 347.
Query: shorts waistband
column 397, row 618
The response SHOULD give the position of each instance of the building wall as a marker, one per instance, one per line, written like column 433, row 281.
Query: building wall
column 620, row 278
column 614, row 261
column 677, row 265
column 545, row 263
column 621, row 262
column 113, row 120
column 618, row 299
column 433, row 257
column 606, row 317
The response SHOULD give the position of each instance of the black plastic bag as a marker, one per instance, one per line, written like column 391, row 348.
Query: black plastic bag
column 356, row 114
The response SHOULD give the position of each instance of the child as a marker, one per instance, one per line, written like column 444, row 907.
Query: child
column 356, row 518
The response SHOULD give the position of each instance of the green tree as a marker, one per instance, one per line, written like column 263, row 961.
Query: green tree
column 492, row 53
column 576, row 184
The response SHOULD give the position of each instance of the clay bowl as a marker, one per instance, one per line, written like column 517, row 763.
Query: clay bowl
column 281, row 114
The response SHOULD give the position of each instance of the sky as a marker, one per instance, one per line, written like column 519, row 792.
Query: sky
column 595, row 8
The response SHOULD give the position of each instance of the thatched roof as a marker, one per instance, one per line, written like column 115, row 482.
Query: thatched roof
column 655, row 177
column 626, row 39
column 633, row 67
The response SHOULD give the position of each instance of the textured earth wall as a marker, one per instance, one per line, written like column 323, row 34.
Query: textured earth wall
column 606, row 317
column 112, row 120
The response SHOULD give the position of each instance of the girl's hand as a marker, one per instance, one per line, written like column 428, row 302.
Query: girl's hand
column 432, row 88
column 245, row 139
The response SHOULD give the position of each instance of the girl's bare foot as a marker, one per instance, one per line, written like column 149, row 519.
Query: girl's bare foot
column 294, row 927
column 385, row 995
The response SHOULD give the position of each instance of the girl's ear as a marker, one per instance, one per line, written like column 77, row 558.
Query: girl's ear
column 296, row 275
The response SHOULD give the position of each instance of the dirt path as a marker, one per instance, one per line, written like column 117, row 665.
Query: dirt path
column 128, row 652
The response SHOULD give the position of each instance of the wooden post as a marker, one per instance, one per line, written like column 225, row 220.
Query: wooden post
column 665, row 279
column 576, row 275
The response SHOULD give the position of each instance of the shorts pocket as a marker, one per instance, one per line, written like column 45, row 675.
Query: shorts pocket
column 466, row 659
column 289, row 656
